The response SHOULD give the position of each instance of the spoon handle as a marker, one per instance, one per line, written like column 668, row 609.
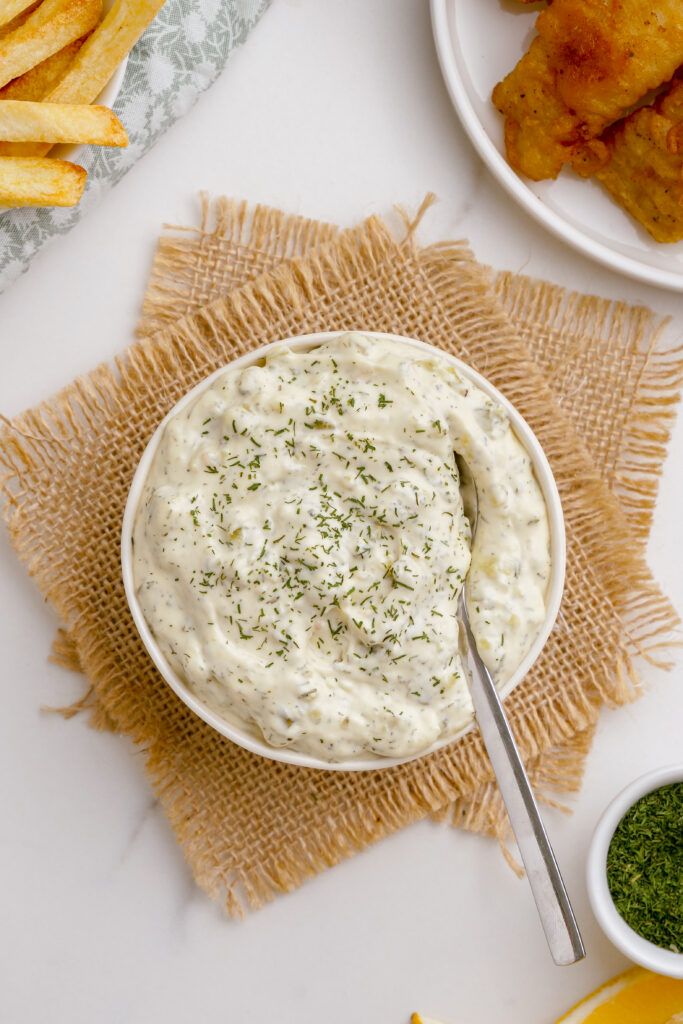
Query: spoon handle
column 554, row 908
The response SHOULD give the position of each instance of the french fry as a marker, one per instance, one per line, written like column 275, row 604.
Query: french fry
column 38, row 39
column 102, row 53
column 12, row 9
column 17, row 22
column 34, row 181
column 25, row 121
column 45, row 10
column 39, row 13
column 34, row 84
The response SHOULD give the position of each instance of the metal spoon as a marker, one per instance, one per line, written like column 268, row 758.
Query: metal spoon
column 552, row 902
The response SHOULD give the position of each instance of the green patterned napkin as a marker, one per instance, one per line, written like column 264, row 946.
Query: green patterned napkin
column 179, row 56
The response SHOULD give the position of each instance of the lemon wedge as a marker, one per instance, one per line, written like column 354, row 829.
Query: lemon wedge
column 635, row 997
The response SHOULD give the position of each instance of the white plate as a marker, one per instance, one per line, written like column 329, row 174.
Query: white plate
column 478, row 42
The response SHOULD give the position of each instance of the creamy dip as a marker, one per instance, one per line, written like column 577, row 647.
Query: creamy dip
column 300, row 546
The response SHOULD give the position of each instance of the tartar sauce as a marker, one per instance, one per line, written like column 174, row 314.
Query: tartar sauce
column 300, row 546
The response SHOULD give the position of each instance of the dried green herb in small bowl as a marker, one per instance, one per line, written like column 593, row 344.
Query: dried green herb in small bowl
column 645, row 867
column 634, row 871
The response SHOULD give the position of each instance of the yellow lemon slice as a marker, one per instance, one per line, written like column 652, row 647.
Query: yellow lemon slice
column 635, row 997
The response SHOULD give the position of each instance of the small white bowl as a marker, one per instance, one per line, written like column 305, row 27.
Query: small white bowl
column 632, row 945
column 252, row 739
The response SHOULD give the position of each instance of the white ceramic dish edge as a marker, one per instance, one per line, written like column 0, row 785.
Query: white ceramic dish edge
column 239, row 735
column 515, row 185
column 632, row 945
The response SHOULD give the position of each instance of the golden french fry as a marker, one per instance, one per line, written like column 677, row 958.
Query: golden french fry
column 34, row 181
column 10, row 9
column 102, row 53
column 26, row 121
column 38, row 39
column 45, row 10
column 39, row 13
column 21, row 19
column 34, row 84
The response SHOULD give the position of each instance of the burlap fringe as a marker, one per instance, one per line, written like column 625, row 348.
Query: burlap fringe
column 254, row 886
column 560, row 769
column 657, row 390
column 65, row 654
column 174, row 286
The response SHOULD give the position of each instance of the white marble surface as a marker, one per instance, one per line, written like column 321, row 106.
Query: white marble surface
column 335, row 110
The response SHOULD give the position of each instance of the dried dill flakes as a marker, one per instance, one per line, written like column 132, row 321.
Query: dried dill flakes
column 645, row 867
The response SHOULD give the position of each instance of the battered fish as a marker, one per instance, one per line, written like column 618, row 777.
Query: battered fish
column 640, row 161
column 591, row 61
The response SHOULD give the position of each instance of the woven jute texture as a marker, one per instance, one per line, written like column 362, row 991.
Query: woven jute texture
column 594, row 380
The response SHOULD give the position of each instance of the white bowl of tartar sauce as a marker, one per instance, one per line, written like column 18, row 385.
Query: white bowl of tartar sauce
column 294, row 544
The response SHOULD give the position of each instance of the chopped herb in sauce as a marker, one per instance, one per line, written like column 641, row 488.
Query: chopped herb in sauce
column 302, row 529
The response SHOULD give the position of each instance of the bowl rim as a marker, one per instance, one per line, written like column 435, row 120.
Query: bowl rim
column 629, row 942
column 239, row 734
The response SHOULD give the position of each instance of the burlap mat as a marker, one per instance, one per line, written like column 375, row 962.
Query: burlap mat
column 594, row 380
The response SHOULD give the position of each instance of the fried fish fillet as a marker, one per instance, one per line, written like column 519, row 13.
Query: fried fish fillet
column 591, row 60
column 640, row 161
